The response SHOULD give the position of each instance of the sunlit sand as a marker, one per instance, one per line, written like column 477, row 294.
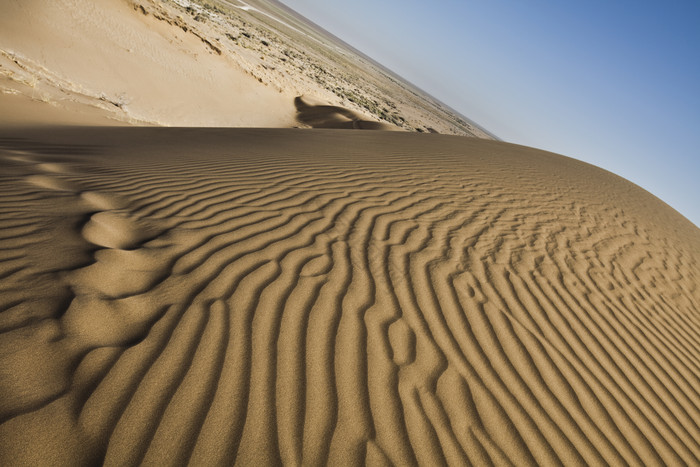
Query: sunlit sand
column 326, row 295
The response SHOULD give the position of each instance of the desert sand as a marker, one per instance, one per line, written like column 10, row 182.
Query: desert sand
column 313, row 295
column 220, row 296
column 194, row 63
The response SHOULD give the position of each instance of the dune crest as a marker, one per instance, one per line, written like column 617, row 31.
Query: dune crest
column 304, row 297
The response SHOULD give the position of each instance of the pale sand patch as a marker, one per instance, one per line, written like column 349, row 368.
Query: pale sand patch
column 322, row 296
column 111, row 60
column 152, row 62
column 21, row 110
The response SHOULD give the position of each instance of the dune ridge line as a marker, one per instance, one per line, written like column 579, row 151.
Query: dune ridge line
column 237, row 296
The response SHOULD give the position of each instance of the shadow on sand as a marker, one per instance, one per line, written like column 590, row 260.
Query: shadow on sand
column 330, row 116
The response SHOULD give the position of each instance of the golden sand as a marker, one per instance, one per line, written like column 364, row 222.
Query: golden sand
column 320, row 296
column 255, row 297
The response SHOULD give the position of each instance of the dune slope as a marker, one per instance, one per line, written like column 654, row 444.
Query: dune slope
column 197, row 63
column 172, row 296
column 116, row 61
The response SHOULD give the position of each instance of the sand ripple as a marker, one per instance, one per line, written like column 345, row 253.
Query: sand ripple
column 309, row 297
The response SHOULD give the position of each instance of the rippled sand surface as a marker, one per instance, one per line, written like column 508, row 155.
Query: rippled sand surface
column 173, row 296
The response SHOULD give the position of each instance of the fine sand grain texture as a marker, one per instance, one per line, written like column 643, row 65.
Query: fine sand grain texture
column 279, row 296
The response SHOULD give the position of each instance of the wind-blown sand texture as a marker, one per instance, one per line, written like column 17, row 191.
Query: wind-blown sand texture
column 174, row 296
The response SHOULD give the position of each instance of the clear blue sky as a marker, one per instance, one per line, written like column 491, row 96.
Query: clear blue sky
column 614, row 83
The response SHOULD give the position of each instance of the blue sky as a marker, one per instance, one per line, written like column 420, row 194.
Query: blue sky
column 614, row 83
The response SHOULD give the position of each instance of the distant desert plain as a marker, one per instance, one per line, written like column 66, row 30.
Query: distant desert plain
column 229, row 238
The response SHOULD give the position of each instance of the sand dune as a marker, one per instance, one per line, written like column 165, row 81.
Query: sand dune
column 331, row 116
column 307, row 297
column 182, row 63
column 114, row 61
